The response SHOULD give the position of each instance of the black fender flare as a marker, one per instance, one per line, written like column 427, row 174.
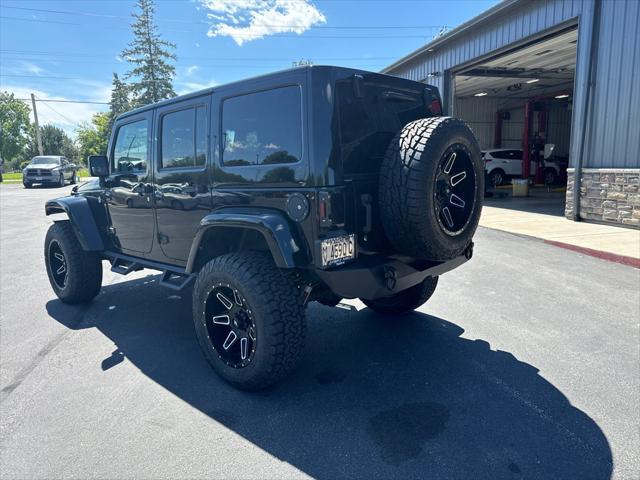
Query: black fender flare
column 272, row 225
column 82, row 220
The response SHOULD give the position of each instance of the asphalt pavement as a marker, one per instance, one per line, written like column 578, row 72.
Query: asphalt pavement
column 524, row 364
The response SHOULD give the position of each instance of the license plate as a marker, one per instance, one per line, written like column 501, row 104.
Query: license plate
column 39, row 178
column 338, row 250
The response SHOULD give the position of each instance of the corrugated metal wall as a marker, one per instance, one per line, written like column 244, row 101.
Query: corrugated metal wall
column 613, row 140
column 479, row 113
column 613, row 135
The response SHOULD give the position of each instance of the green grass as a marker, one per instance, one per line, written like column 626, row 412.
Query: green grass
column 12, row 176
column 17, row 176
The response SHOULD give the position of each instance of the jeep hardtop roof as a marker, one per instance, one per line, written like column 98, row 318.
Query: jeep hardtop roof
column 267, row 76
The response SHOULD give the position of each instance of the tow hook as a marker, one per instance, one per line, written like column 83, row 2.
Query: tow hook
column 468, row 253
column 390, row 277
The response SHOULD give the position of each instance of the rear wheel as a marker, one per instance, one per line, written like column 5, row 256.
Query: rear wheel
column 405, row 301
column 74, row 274
column 431, row 188
column 249, row 319
column 550, row 176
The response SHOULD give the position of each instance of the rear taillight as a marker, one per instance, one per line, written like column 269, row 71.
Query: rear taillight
column 436, row 107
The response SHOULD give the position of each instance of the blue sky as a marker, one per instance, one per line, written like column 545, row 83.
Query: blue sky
column 68, row 49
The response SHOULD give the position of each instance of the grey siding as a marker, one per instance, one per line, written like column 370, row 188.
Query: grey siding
column 614, row 132
column 614, row 117
column 479, row 114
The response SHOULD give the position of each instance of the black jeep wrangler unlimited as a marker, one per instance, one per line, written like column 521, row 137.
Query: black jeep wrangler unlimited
column 313, row 184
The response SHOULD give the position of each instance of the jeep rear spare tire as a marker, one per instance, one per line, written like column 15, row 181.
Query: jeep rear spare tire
column 431, row 188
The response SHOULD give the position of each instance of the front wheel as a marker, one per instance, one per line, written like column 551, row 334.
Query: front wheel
column 249, row 319
column 61, row 180
column 74, row 178
column 496, row 177
column 26, row 185
column 74, row 274
column 405, row 301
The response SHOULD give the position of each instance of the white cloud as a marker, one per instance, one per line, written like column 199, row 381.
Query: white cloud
column 63, row 115
column 190, row 70
column 188, row 87
column 32, row 68
column 247, row 20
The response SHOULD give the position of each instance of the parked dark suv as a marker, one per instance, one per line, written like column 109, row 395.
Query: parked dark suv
column 313, row 184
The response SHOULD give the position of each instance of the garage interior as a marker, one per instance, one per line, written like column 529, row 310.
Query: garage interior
column 521, row 97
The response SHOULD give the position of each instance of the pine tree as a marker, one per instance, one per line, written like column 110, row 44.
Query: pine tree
column 152, row 73
column 120, row 101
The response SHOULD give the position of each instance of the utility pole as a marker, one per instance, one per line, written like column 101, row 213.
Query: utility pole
column 35, row 117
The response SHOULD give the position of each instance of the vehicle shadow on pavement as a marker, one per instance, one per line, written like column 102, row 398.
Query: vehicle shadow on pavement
column 371, row 398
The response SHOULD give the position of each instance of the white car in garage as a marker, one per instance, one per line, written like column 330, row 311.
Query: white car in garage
column 502, row 164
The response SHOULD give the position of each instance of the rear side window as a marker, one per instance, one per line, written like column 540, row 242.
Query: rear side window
column 262, row 128
column 130, row 152
column 184, row 138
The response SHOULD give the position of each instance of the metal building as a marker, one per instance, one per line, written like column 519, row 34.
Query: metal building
column 563, row 70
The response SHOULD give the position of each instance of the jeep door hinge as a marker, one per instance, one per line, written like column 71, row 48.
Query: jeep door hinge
column 162, row 239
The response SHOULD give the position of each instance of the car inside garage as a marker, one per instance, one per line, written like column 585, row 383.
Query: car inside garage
column 523, row 96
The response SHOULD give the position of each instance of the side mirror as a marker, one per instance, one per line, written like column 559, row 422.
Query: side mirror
column 98, row 166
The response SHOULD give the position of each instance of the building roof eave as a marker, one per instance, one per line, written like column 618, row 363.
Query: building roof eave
column 484, row 16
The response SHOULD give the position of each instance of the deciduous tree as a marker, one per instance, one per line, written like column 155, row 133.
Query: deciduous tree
column 54, row 142
column 15, row 127
column 93, row 137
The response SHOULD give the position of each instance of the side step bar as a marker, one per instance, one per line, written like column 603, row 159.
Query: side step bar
column 173, row 277
column 175, row 281
column 124, row 267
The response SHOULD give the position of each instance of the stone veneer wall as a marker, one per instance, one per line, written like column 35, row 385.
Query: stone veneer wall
column 607, row 195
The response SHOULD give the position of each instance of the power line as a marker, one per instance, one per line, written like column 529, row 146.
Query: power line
column 235, row 58
column 64, row 101
column 271, row 34
column 37, row 20
column 61, row 115
column 40, row 76
column 173, row 20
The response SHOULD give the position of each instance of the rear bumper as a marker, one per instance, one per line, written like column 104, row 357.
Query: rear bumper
column 377, row 277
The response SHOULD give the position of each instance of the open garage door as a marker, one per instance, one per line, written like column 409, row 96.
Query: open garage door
column 519, row 106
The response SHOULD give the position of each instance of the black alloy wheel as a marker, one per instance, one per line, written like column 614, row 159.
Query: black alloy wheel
column 231, row 329
column 455, row 189
column 58, row 264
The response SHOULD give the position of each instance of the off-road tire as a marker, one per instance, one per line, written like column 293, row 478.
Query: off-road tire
column 405, row 301
column 276, row 309
column 407, row 188
column 83, row 269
